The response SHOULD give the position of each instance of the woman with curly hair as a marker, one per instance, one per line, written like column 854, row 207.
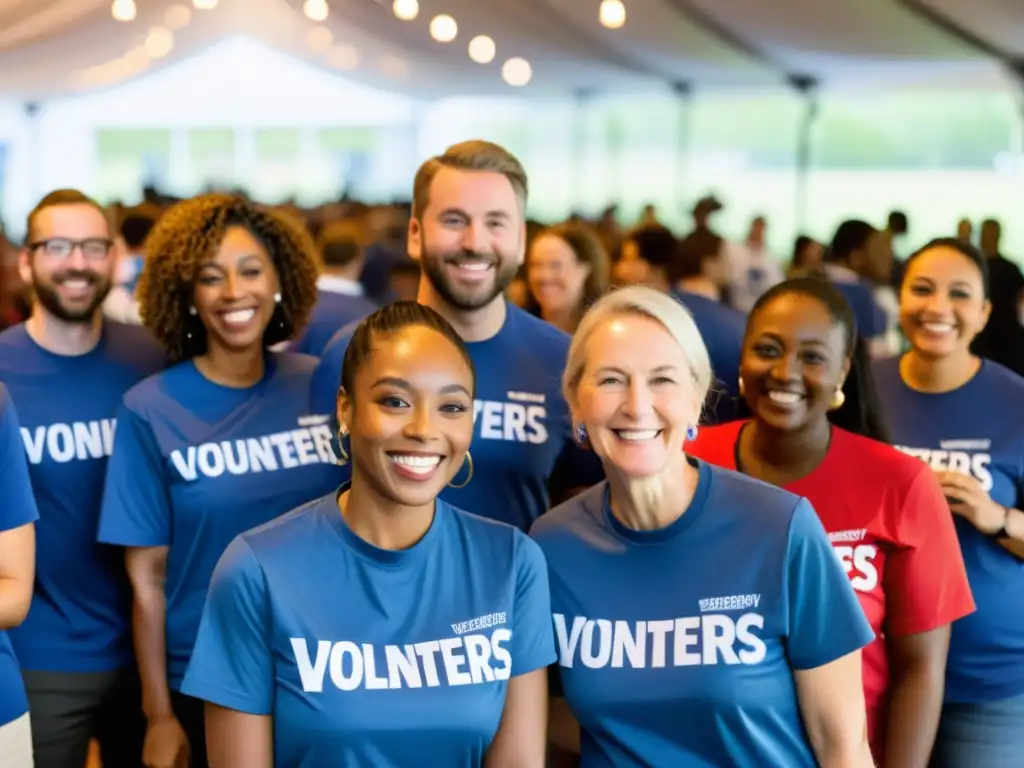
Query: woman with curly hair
column 219, row 443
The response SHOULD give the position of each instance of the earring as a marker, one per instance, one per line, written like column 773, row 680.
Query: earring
column 580, row 433
column 839, row 399
column 343, row 457
column 469, row 463
column 742, row 394
column 277, row 297
column 691, row 433
column 192, row 310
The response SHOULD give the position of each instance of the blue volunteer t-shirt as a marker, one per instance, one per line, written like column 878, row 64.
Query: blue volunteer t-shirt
column 196, row 463
column 523, row 432
column 332, row 312
column 371, row 657
column 80, row 618
column 677, row 646
column 977, row 429
column 17, row 509
column 722, row 329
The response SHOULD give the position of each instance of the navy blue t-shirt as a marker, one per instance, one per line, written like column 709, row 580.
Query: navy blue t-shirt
column 17, row 509
column 677, row 646
column 977, row 429
column 371, row 657
column 871, row 320
column 523, row 431
column 80, row 618
column 196, row 463
column 333, row 311
column 722, row 329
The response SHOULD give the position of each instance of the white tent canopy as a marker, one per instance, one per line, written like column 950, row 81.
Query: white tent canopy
column 54, row 48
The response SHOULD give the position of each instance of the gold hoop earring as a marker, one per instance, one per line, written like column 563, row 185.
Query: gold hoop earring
column 469, row 461
column 838, row 400
column 740, row 388
column 343, row 457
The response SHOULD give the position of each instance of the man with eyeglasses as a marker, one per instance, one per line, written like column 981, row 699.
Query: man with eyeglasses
column 66, row 369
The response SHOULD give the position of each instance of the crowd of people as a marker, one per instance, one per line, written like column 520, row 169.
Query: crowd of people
column 442, row 486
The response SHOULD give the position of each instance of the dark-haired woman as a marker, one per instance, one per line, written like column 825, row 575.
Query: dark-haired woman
column 218, row 443
column 964, row 416
column 816, row 431
column 567, row 270
column 379, row 625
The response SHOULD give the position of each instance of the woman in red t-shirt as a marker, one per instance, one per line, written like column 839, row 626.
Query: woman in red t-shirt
column 816, row 431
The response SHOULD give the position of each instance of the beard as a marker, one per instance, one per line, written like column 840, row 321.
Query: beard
column 49, row 297
column 468, row 297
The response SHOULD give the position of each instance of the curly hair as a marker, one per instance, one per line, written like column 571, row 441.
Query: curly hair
column 187, row 235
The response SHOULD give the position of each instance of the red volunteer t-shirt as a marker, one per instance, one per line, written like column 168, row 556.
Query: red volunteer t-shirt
column 891, row 528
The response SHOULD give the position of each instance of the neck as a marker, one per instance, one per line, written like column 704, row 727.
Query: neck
column 565, row 319
column 700, row 286
column 653, row 503
column 232, row 368
column 350, row 273
column 793, row 453
column 938, row 374
column 383, row 523
column 61, row 337
column 472, row 325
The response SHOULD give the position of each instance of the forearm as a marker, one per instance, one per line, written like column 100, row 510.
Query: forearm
column 915, row 705
column 1014, row 539
column 14, row 602
column 845, row 755
column 149, row 623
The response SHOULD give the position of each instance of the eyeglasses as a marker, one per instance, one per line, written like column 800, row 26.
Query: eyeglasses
column 93, row 248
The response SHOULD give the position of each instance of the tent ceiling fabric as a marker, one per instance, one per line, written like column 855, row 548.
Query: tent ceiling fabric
column 47, row 47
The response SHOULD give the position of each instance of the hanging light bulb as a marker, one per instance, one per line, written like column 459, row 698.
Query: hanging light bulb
column 517, row 72
column 612, row 14
column 406, row 10
column 443, row 28
column 123, row 10
column 159, row 42
column 204, row 5
column 482, row 49
column 315, row 10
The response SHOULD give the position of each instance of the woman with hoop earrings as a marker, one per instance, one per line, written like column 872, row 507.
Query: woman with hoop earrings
column 379, row 625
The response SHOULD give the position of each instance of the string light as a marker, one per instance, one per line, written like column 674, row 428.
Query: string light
column 612, row 14
column 443, row 28
column 204, row 5
column 482, row 49
column 315, row 10
column 406, row 10
column 517, row 72
column 319, row 39
column 123, row 10
column 177, row 16
column 159, row 42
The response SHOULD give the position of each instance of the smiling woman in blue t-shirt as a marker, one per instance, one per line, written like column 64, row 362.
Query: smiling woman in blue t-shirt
column 964, row 416
column 701, row 616
column 17, row 570
column 218, row 443
column 379, row 626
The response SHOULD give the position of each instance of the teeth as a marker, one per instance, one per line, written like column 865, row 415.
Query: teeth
column 937, row 327
column 240, row 316
column 637, row 434
column 475, row 266
column 784, row 398
column 76, row 285
column 416, row 461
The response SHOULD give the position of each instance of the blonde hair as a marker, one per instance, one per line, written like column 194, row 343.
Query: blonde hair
column 646, row 302
column 476, row 155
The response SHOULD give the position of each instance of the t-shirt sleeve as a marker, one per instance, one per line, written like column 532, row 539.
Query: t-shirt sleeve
column 920, row 594
column 232, row 663
column 18, row 507
column 136, row 510
column 825, row 620
column 533, row 638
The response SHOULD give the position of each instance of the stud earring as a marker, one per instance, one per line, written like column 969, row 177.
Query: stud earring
column 691, row 433
column 742, row 394
column 277, row 297
column 192, row 310
column 839, row 399
column 581, row 434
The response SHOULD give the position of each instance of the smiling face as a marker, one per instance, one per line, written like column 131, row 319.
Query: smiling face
column 794, row 360
column 470, row 237
column 942, row 302
column 636, row 395
column 234, row 292
column 410, row 417
column 555, row 275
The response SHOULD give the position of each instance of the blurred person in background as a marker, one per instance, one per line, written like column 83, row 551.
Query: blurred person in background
column 896, row 233
column 18, row 515
column 67, row 368
column 220, row 442
column 567, row 270
column 807, row 259
column 387, row 227
column 965, row 230
column 134, row 227
column 752, row 269
column 963, row 416
column 702, row 239
column 1002, row 338
column 340, row 298
column 857, row 261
